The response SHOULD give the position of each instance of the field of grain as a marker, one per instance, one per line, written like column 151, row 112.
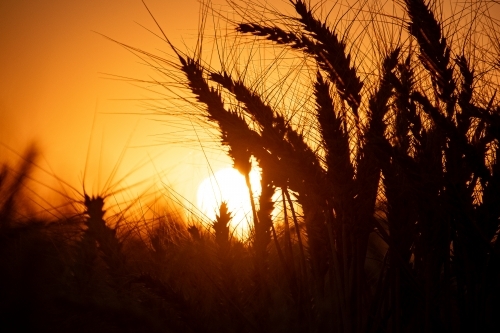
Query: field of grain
column 376, row 131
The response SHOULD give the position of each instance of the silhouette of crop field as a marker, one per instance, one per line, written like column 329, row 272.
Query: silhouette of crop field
column 377, row 135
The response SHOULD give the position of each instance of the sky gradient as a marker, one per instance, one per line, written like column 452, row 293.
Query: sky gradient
column 52, row 82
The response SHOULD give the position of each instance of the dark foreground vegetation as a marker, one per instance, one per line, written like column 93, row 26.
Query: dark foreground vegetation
column 390, row 209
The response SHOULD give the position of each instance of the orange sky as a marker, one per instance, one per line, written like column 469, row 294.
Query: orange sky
column 51, row 62
column 51, row 82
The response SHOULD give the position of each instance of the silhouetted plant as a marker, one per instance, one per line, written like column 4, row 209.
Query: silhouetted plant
column 421, row 147
column 387, row 176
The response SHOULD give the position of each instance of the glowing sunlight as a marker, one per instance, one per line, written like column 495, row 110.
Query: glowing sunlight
column 229, row 185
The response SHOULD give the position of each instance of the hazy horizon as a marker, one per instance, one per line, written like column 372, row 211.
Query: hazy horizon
column 52, row 82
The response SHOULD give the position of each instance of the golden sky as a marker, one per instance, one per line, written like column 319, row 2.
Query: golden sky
column 51, row 59
column 53, row 66
column 51, row 80
column 52, row 62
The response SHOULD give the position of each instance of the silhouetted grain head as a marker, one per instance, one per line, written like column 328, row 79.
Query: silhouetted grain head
column 264, row 224
column 195, row 233
column 378, row 104
column 468, row 110
column 221, row 227
column 94, row 207
column 340, row 171
column 406, row 116
column 276, row 35
column 253, row 103
column 434, row 51
column 110, row 246
column 332, row 56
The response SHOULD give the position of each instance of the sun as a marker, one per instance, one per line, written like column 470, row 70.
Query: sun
column 229, row 185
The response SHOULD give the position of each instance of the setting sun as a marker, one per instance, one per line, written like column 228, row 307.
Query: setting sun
column 229, row 185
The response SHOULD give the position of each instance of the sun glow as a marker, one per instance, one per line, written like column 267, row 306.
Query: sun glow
column 229, row 185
